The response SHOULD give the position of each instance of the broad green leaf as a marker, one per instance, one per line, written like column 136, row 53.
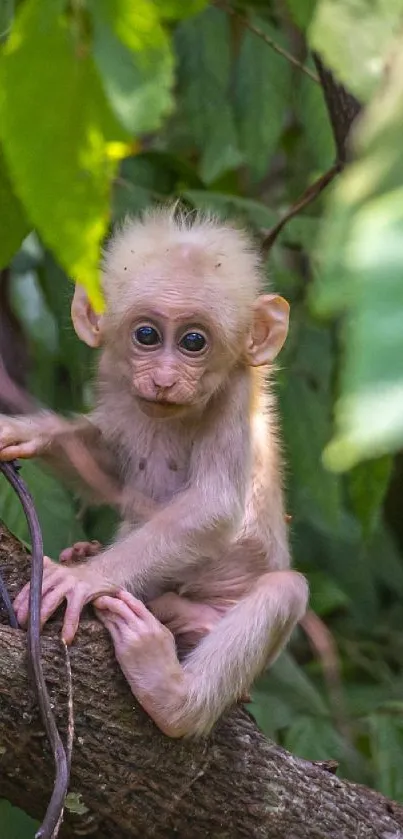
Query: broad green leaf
column 287, row 681
column 306, row 422
column 137, row 74
column 232, row 206
column 177, row 9
column 15, row 824
column 58, row 136
column 14, row 225
column 317, row 141
column 7, row 10
column 260, row 118
column 385, row 561
column 203, row 48
column 368, row 483
column 325, row 596
column 136, row 25
column 315, row 739
column 55, row 509
column 301, row 13
column 361, row 249
column 356, row 40
column 387, row 744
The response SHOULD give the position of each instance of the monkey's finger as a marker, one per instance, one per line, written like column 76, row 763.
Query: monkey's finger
column 112, row 624
column 72, row 614
column 51, row 601
column 115, row 607
column 21, row 451
column 137, row 606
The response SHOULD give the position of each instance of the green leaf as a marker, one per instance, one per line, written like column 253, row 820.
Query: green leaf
column 317, row 140
column 15, row 824
column 356, row 39
column 56, row 145
column 368, row 483
column 261, row 96
column 7, row 10
column 361, row 255
column 177, row 9
column 232, row 206
column 55, row 509
column 314, row 739
column 14, row 225
column 301, row 13
column 288, row 682
column 203, row 47
column 326, row 596
column 137, row 74
column 387, row 744
column 316, row 493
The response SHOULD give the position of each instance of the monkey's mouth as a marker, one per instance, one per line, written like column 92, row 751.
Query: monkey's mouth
column 160, row 407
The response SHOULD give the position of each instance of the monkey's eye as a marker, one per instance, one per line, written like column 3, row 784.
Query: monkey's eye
column 147, row 336
column 193, row 342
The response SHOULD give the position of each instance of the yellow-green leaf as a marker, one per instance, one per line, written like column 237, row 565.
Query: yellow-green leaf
column 56, row 127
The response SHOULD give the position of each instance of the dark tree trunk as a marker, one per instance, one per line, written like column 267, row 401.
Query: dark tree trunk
column 128, row 780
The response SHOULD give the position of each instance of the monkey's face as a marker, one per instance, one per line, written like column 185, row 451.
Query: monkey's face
column 172, row 362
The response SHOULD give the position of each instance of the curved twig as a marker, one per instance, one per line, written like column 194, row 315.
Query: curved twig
column 51, row 823
column 307, row 196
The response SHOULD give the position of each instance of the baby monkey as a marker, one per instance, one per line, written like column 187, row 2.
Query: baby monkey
column 189, row 424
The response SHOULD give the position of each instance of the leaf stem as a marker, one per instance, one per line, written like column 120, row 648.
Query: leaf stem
column 221, row 4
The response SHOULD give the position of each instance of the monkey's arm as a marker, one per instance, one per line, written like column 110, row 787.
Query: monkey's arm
column 73, row 447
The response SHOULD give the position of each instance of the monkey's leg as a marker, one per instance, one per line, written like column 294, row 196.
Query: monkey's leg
column 188, row 620
column 188, row 700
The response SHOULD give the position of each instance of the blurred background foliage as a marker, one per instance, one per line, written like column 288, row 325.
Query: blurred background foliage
column 108, row 106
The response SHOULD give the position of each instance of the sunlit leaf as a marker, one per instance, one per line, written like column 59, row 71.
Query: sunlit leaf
column 356, row 39
column 135, row 62
column 61, row 171
column 301, row 13
column 361, row 275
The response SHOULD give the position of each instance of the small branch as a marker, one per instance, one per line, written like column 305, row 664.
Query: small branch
column 51, row 823
column 306, row 198
column 221, row 4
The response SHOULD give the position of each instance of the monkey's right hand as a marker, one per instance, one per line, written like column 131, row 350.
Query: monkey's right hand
column 78, row 585
column 24, row 437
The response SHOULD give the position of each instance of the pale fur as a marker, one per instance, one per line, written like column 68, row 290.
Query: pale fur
column 214, row 547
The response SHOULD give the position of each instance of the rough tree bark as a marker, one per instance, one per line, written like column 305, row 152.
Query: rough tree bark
column 128, row 780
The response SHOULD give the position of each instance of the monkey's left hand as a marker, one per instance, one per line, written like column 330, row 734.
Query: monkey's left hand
column 78, row 585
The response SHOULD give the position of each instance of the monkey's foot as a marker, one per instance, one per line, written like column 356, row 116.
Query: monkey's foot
column 80, row 551
column 145, row 650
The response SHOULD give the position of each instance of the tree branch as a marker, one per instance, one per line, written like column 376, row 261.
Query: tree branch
column 130, row 781
column 221, row 4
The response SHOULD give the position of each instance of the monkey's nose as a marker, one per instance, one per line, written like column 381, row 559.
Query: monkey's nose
column 164, row 380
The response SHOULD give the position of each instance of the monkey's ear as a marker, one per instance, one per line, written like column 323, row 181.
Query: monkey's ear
column 269, row 329
column 85, row 321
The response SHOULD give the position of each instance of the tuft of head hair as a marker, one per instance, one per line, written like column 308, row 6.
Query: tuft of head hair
column 213, row 263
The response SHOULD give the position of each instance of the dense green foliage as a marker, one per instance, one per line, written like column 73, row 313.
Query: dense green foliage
column 107, row 106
